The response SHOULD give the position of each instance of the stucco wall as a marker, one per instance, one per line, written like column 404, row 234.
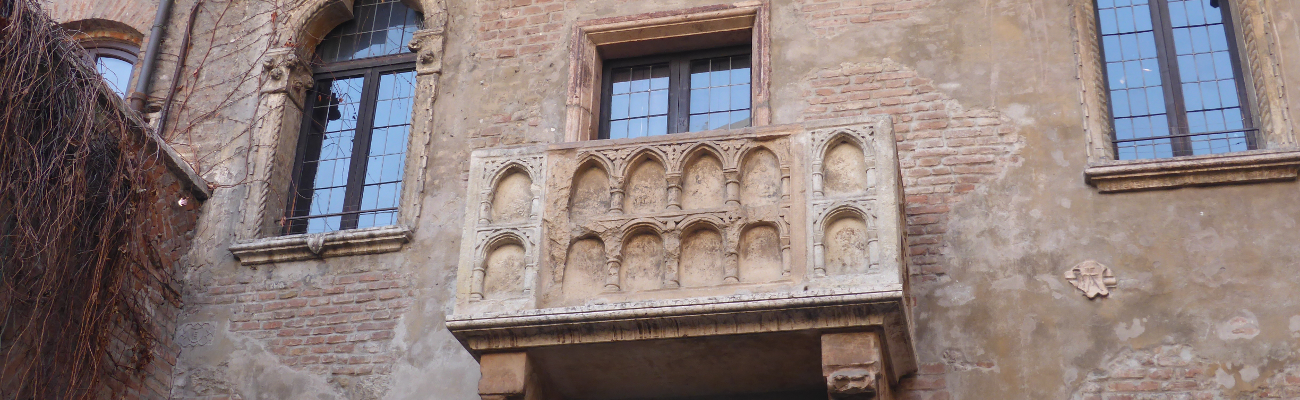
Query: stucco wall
column 987, row 103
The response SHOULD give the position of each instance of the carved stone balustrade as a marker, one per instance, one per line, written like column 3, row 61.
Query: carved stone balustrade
column 787, row 228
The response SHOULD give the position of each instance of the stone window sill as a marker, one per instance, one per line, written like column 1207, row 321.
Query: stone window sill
column 321, row 245
column 1217, row 169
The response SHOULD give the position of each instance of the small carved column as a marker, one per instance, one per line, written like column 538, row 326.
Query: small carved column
column 512, row 376
column 785, row 256
column 819, row 259
column 485, row 208
column 817, row 179
column 612, row 267
column 854, row 367
column 535, row 208
column 672, row 252
column 731, row 271
column 785, row 183
column 476, row 282
column 733, row 186
column 530, row 271
column 674, row 191
column 616, row 198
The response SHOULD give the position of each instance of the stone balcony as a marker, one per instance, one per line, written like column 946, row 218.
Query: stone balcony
column 789, row 234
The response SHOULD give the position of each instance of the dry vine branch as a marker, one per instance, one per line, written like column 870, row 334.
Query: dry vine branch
column 74, row 196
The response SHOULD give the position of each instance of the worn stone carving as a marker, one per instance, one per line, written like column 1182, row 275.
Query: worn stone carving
column 506, row 194
column 1092, row 278
column 853, row 384
column 684, row 236
column 195, row 334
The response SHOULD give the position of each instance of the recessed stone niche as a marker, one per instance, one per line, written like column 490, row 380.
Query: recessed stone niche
column 512, row 199
column 703, row 184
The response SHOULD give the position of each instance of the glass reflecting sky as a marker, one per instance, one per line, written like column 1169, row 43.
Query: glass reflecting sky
column 116, row 72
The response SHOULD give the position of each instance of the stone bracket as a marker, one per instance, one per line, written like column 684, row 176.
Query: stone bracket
column 1240, row 167
column 321, row 245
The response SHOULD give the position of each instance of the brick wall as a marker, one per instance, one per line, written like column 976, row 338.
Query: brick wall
column 829, row 18
column 340, row 324
column 170, row 225
column 516, row 34
column 1175, row 372
column 944, row 150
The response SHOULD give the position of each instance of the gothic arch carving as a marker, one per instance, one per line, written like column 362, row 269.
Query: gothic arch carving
column 483, row 256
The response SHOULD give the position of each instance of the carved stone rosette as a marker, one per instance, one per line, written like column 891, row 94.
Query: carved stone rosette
column 789, row 227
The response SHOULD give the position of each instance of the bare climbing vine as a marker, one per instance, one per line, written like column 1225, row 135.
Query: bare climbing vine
column 74, row 196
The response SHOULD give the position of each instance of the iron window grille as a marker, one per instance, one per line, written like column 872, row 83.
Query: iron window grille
column 1175, row 80
column 674, row 93
column 351, row 155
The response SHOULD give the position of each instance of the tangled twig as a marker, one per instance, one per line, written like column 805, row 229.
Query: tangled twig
column 74, row 196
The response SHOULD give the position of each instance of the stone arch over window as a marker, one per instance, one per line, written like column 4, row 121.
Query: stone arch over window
column 286, row 77
column 112, row 47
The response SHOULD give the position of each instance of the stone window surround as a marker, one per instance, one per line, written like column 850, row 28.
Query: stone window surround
column 1277, row 159
column 592, row 37
column 285, row 78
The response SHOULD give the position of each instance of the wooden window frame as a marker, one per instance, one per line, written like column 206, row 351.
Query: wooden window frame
column 679, row 83
column 370, row 69
column 1180, row 137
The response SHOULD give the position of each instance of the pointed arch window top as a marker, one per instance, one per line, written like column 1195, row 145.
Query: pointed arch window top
column 380, row 28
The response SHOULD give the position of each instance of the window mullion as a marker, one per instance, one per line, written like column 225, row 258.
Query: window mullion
column 360, row 150
column 679, row 95
column 1173, row 87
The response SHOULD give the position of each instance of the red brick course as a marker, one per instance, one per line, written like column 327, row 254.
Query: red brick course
column 341, row 324
column 829, row 18
column 944, row 150
column 519, row 28
column 170, row 225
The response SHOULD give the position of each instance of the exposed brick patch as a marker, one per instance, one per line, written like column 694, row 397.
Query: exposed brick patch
column 1164, row 372
column 342, row 324
column 1283, row 385
column 170, row 226
column 519, row 28
column 944, row 150
column 829, row 18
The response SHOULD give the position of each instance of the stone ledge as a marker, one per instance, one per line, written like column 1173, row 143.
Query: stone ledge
column 321, row 245
column 694, row 317
column 1241, row 167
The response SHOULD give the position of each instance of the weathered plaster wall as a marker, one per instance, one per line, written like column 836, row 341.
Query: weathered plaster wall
column 985, row 97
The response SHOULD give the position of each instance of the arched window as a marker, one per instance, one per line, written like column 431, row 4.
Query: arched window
column 115, row 61
column 352, row 149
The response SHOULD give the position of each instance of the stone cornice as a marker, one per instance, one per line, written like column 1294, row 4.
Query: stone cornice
column 321, row 245
column 1240, row 167
column 693, row 317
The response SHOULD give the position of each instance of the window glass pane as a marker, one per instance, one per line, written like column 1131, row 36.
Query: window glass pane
column 322, row 187
column 724, row 88
column 1208, row 73
column 640, row 97
column 1137, row 98
column 116, row 72
column 379, row 28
